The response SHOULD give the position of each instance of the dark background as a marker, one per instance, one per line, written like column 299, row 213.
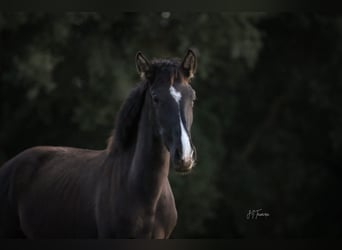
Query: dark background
column 267, row 122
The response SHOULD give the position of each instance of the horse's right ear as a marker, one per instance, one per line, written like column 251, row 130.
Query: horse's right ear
column 142, row 63
column 189, row 63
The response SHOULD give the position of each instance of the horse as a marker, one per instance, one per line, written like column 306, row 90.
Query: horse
column 122, row 191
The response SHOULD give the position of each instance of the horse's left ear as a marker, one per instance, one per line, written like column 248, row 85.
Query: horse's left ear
column 142, row 63
column 189, row 64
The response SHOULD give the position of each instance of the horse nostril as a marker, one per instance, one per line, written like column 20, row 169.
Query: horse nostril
column 178, row 154
column 194, row 153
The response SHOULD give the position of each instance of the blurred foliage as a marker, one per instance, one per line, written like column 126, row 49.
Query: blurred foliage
column 268, row 120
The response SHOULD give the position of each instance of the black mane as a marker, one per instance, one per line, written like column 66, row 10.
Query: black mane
column 127, row 119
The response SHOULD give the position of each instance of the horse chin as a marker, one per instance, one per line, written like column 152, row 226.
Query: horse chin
column 183, row 169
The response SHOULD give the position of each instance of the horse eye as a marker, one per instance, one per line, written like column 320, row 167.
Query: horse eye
column 155, row 99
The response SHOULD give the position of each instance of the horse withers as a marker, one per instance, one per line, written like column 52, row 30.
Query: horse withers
column 120, row 192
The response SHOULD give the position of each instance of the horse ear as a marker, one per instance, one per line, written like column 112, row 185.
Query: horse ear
column 189, row 63
column 142, row 64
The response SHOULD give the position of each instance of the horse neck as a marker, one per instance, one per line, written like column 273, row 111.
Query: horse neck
column 150, row 165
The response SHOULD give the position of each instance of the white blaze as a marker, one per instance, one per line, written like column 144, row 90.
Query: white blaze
column 175, row 94
column 186, row 146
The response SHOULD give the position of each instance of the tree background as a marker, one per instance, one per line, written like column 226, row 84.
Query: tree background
column 267, row 122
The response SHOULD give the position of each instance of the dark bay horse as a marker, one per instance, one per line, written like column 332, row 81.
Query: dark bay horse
column 120, row 192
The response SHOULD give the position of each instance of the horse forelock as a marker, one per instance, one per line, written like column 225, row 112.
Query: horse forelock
column 166, row 63
column 167, row 70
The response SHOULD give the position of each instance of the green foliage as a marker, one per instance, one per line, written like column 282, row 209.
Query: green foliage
column 267, row 122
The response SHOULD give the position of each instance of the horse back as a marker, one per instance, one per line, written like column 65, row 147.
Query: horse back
column 50, row 191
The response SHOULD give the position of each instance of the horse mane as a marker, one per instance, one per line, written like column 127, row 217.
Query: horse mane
column 127, row 119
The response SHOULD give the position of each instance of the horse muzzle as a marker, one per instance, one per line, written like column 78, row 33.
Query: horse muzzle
column 183, row 164
column 184, row 167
